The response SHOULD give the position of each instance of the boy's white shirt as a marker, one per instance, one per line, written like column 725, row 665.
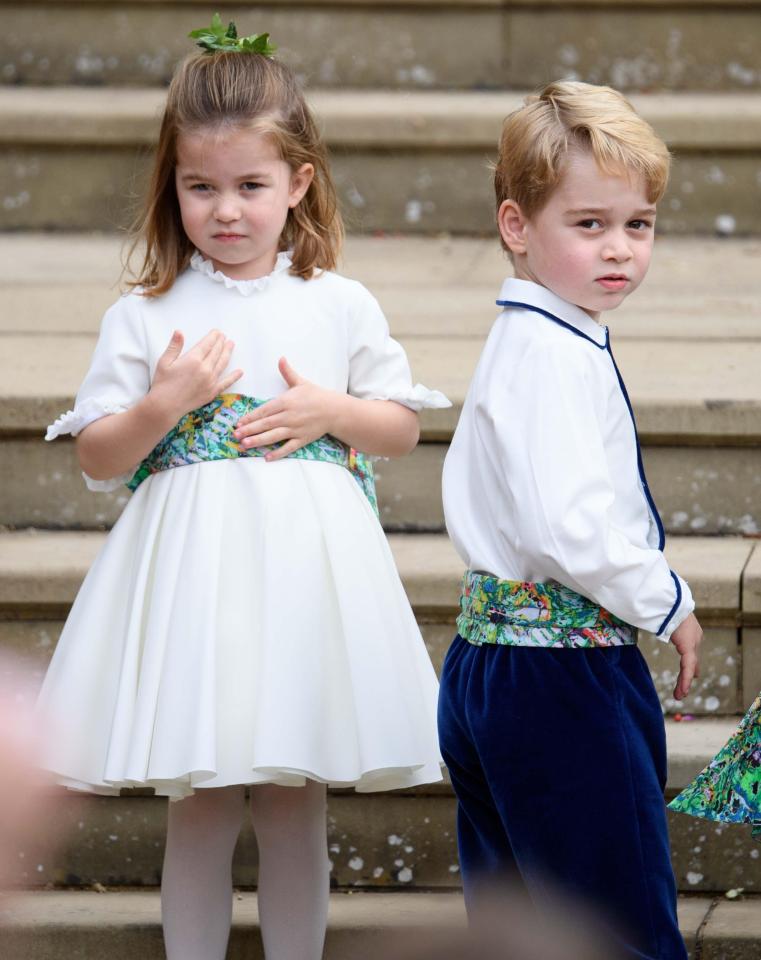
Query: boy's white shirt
column 543, row 480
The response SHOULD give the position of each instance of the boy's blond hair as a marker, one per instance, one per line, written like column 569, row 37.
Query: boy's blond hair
column 568, row 115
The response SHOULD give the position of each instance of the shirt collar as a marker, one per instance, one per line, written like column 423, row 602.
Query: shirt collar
column 526, row 293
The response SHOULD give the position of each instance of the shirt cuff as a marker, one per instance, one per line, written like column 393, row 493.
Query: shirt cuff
column 684, row 605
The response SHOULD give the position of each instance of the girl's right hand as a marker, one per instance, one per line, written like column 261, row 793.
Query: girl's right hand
column 184, row 382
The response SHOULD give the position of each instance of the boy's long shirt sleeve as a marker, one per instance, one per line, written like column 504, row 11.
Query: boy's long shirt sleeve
column 544, row 478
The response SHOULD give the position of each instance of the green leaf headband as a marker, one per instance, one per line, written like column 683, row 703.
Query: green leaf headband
column 216, row 37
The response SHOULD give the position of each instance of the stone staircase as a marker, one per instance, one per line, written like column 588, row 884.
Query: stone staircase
column 412, row 114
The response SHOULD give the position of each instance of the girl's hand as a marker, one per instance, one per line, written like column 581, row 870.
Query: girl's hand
column 687, row 639
column 297, row 417
column 184, row 383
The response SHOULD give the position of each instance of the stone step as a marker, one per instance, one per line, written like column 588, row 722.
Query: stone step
column 405, row 838
column 693, row 393
column 40, row 573
column 634, row 45
column 64, row 925
column 61, row 283
column 697, row 402
column 751, row 635
column 415, row 162
column 700, row 489
column 698, row 407
column 376, row 841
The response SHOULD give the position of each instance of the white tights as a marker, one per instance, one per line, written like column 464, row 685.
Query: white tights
column 196, row 888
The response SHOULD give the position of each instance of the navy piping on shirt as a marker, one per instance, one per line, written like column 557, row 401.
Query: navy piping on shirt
column 640, row 465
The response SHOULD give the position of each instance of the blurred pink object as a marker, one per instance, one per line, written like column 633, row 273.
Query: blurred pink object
column 20, row 782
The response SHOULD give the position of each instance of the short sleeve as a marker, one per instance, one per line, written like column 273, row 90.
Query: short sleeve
column 117, row 378
column 378, row 366
column 555, row 459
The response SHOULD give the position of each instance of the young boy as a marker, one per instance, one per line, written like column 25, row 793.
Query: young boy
column 548, row 718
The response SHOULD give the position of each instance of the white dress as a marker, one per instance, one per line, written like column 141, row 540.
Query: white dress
column 244, row 621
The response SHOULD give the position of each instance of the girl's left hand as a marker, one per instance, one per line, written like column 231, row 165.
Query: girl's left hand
column 297, row 417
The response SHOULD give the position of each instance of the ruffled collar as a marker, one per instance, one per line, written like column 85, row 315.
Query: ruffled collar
column 244, row 287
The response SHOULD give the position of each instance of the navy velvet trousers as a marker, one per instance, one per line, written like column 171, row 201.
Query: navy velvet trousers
column 558, row 760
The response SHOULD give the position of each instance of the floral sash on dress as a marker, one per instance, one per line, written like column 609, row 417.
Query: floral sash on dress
column 207, row 434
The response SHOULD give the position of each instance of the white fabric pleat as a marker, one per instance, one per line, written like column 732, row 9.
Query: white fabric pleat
column 265, row 637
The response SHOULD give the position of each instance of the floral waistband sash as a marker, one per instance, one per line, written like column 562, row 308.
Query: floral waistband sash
column 207, row 434
column 514, row 613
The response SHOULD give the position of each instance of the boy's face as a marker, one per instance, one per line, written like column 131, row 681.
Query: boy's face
column 591, row 242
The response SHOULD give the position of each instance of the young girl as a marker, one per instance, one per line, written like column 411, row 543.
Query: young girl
column 244, row 622
column 729, row 789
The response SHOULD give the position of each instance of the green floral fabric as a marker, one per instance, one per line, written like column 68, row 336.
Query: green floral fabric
column 516, row 613
column 729, row 789
column 207, row 434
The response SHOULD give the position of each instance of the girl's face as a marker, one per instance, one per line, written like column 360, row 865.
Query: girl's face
column 235, row 193
column 590, row 243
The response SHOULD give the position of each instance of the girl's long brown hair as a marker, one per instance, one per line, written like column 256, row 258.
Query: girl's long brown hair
column 232, row 89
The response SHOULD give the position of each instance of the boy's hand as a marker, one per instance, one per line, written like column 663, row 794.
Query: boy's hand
column 295, row 418
column 185, row 382
column 687, row 638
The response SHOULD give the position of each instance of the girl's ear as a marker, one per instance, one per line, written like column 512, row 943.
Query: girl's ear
column 300, row 181
column 512, row 226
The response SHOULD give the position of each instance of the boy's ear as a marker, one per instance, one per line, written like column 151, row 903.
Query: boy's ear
column 512, row 226
column 300, row 181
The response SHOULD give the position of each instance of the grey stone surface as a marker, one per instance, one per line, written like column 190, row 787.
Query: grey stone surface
column 691, row 912
column 383, row 841
column 416, row 163
column 84, row 924
column 58, row 925
column 40, row 573
column 41, row 485
column 698, row 489
column 706, row 490
column 713, row 567
column 641, row 47
column 699, row 122
column 717, row 691
column 638, row 46
column 712, row 394
column 751, row 666
column 46, row 568
column 374, row 840
column 414, row 191
column 77, row 188
column 692, row 745
column 713, row 857
column 733, row 931
column 389, row 45
column 27, row 646
column 428, row 286
column 752, row 588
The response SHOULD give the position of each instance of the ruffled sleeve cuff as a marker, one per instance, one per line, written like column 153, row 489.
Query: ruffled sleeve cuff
column 74, row 421
column 85, row 412
column 417, row 398
column 107, row 486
